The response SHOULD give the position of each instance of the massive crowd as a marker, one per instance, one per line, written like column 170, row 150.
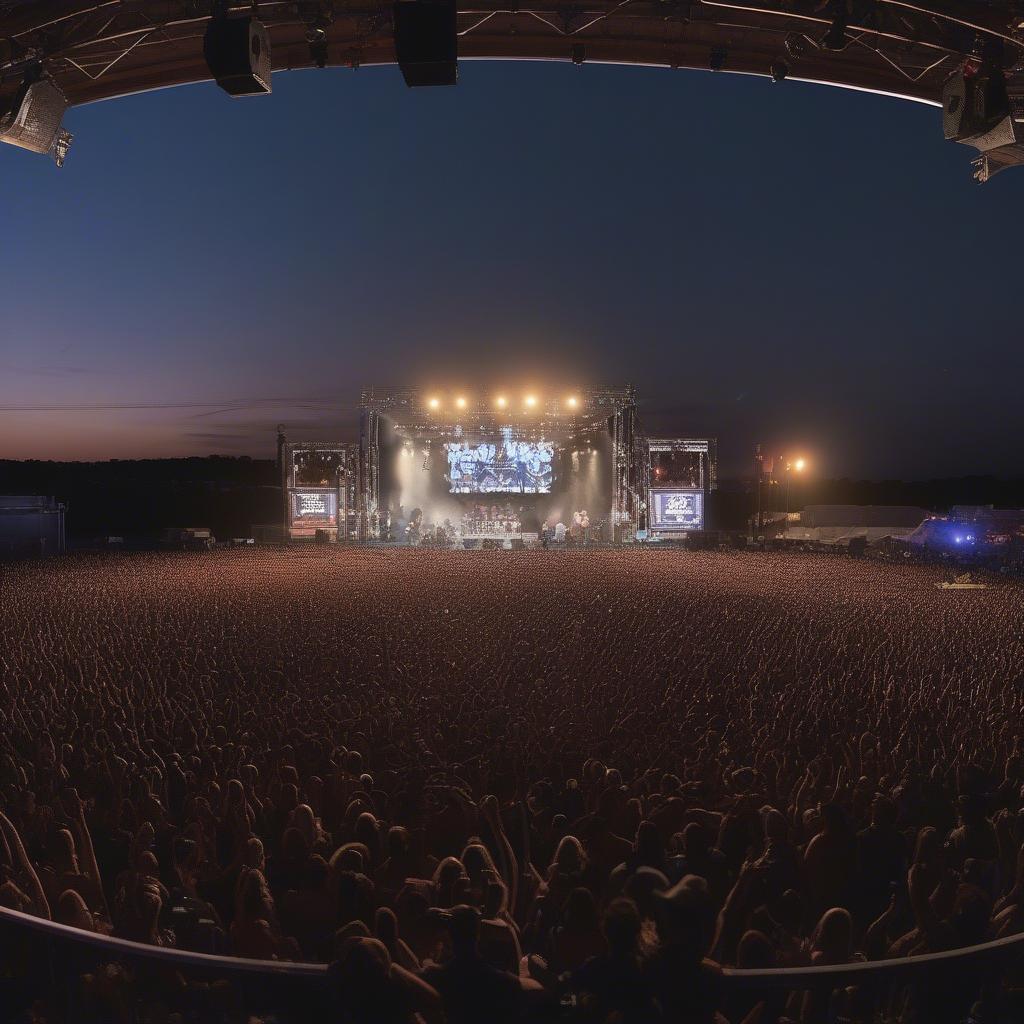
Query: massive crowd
column 503, row 786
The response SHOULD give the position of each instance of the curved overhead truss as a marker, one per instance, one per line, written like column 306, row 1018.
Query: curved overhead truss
column 95, row 49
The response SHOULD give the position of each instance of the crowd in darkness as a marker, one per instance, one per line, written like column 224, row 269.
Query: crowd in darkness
column 508, row 786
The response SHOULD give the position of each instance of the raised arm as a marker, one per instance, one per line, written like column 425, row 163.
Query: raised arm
column 84, row 838
column 507, row 864
column 17, row 849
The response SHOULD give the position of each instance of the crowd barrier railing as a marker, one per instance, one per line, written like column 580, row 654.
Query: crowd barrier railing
column 985, row 961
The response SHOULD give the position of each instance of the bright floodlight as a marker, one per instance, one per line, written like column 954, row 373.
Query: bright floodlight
column 501, row 401
column 531, row 400
column 434, row 403
column 572, row 402
column 800, row 465
column 460, row 402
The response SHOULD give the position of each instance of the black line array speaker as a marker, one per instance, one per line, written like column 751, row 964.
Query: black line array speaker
column 427, row 42
column 237, row 51
column 973, row 104
column 33, row 120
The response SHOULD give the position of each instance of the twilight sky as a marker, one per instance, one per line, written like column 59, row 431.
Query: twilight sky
column 795, row 264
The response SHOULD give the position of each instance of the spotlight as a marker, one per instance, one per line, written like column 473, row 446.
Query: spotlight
column 501, row 401
column 779, row 70
column 800, row 465
column 237, row 52
column 531, row 400
column 434, row 403
column 718, row 57
column 460, row 402
column 572, row 402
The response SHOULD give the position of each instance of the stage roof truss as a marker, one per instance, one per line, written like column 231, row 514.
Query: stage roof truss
column 100, row 49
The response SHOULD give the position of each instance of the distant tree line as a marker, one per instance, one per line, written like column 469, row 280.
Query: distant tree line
column 139, row 498
column 135, row 498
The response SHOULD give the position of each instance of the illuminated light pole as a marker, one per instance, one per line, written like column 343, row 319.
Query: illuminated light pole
column 797, row 465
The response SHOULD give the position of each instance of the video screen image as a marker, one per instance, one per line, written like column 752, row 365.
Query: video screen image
column 511, row 466
column 309, row 505
column 677, row 510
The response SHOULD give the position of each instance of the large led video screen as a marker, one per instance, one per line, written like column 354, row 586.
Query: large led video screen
column 315, row 507
column 510, row 466
column 677, row 510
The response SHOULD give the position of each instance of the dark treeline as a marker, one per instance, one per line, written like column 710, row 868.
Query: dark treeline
column 230, row 494
column 140, row 497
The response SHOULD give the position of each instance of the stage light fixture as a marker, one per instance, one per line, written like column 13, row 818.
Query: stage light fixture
column 434, row 403
column 572, row 402
column 460, row 402
column 501, row 401
column 237, row 52
column 531, row 400
column 800, row 465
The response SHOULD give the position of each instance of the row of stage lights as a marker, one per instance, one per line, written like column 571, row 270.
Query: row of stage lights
column 500, row 402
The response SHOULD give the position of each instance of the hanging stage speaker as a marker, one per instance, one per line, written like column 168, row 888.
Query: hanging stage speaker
column 973, row 104
column 426, row 41
column 237, row 51
column 33, row 119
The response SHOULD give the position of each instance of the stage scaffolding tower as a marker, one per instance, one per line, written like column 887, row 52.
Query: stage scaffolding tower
column 337, row 488
column 625, row 489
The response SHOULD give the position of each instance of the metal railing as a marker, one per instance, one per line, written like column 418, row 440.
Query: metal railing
column 982, row 962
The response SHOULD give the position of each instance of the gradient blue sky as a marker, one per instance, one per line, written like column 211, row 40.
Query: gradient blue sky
column 788, row 263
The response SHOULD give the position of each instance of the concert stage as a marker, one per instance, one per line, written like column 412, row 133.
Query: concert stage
column 488, row 467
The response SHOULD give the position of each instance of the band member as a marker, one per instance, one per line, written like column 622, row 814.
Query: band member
column 454, row 466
